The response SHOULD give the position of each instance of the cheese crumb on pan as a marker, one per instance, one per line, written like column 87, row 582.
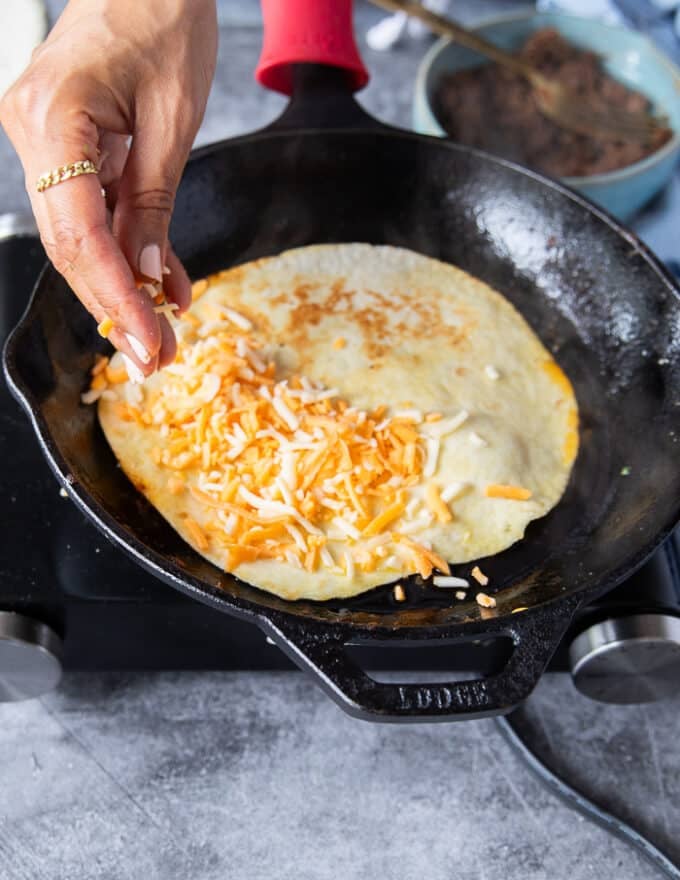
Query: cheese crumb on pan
column 444, row 581
column 479, row 576
column 485, row 601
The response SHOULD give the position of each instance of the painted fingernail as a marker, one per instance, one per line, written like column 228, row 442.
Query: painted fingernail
column 150, row 263
column 133, row 371
column 138, row 348
column 166, row 270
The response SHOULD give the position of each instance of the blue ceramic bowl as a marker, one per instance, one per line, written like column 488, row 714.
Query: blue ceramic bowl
column 628, row 56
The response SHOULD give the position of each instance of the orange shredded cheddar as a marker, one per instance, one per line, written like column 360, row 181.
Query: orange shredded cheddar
column 512, row 493
column 98, row 382
column 100, row 364
column 385, row 518
column 105, row 327
column 197, row 534
column 434, row 501
column 433, row 417
column 115, row 377
column 340, row 342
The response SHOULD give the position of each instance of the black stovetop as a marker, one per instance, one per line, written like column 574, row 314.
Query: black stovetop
column 55, row 566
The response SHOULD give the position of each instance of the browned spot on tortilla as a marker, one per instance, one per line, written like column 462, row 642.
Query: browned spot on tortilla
column 379, row 333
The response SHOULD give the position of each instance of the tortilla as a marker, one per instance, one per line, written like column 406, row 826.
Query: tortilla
column 381, row 327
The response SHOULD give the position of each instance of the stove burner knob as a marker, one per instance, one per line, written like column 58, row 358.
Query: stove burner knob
column 633, row 659
column 29, row 657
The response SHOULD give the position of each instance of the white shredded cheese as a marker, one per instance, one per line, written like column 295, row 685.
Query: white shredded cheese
column 286, row 414
column 349, row 564
column 255, row 361
column 414, row 415
column 476, row 440
column 296, row 535
column 238, row 319
column 447, row 426
column 292, row 559
column 346, row 527
column 288, row 470
column 91, row 396
column 165, row 308
column 449, row 581
column 433, row 446
column 451, row 491
column 286, row 494
column 491, row 372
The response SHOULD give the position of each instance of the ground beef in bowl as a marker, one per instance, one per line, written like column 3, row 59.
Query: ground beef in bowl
column 492, row 108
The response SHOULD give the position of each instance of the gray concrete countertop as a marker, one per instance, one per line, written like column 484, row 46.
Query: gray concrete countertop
column 214, row 775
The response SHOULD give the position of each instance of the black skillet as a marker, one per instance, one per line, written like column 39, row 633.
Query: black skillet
column 327, row 172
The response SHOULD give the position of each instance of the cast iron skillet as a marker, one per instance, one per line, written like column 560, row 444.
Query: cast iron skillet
column 327, row 172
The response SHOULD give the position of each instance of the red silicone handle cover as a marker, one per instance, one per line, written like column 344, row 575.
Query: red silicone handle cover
column 316, row 31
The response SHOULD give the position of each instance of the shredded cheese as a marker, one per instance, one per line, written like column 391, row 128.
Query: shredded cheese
column 283, row 468
column 434, row 501
column 512, row 493
column 444, row 581
column 105, row 327
column 479, row 576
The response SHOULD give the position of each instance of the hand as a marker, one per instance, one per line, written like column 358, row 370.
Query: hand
column 111, row 69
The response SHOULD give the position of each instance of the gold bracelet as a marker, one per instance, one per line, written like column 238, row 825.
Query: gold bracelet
column 65, row 172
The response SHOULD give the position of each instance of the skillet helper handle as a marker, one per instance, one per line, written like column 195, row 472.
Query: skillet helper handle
column 535, row 635
column 307, row 31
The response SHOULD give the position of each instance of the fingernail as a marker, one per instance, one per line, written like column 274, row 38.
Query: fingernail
column 150, row 262
column 133, row 371
column 166, row 270
column 138, row 348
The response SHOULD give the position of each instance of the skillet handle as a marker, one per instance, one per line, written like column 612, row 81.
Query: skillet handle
column 307, row 31
column 321, row 650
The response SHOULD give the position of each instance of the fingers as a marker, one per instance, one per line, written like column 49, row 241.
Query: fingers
column 135, row 365
column 176, row 284
column 168, row 343
column 147, row 189
column 113, row 150
column 77, row 238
